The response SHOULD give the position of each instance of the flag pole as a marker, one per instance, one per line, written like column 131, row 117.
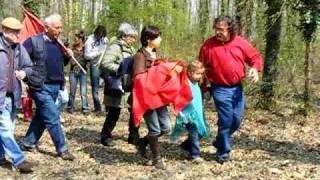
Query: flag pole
column 72, row 57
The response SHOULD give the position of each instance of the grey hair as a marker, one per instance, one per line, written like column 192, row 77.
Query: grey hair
column 51, row 18
column 126, row 29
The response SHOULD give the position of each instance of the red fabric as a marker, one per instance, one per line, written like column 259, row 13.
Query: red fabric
column 31, row 26
column 225, row 62
column 156, row 88
column 26, row 103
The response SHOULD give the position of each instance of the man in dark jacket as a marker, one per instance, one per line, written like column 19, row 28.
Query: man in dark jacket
column 46, row 80
column 15, row 65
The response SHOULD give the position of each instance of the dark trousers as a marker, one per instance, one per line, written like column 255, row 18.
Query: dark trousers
column 111, row 121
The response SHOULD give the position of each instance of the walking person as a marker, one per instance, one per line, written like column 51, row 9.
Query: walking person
column 157, row 120
column 192, row 118
column 93, row 49
column 116, row 53
column 77, row 75
column 45, row 81
column 224, row 56
column 15, row 65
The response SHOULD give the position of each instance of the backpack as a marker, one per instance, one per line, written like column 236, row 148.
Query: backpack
column 122, row 81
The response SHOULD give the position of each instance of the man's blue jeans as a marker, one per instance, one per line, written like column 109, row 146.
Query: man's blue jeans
column 46, row 117
column 95, row 83
column 74, row 77
column 229, row 102
column 8, row 143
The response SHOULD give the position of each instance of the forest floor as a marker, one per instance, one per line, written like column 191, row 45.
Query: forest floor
column 267, row 146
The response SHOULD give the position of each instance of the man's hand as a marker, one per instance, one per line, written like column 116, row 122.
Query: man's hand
column 69, row 52
column 20, row 75
column 253, row 75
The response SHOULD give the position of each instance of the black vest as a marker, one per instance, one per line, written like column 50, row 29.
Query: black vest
column 38, row 57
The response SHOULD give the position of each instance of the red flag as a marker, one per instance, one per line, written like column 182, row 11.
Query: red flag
column 31, row 25
column 156, row 88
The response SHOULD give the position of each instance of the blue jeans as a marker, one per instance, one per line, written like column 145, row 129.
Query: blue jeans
column 74, row 77
column 95, row 82
column 193, row 141
column 8, row 143
column 46, row 117
column 229, row 102
column 158, row 121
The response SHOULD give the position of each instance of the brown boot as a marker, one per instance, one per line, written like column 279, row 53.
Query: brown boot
column 157, row 161
column 25, row 167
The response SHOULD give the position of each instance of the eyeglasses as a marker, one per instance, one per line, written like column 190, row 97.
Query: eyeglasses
column 217, row 29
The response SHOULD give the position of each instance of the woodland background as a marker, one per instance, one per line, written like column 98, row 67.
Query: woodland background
column 280, row 137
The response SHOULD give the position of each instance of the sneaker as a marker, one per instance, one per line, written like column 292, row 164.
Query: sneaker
column 85, row 111
column 66, row 155
column 197, row 160
column 107, row 142
column 222, row 159
column 70, row 110
column 25, row 167
column 28, row 148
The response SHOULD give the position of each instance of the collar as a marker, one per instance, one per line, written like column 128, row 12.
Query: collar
column 5, row 43
column 46, row 37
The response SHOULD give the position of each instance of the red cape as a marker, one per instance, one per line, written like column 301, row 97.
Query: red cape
column 156, row 88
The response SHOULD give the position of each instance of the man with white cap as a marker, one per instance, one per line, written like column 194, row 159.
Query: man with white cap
column 15, row 65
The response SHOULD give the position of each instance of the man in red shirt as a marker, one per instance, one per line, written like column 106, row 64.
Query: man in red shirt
column 224, row 56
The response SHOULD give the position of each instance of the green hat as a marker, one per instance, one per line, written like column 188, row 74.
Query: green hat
column 11, row 23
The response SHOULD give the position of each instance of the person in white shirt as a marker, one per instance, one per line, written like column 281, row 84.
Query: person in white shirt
column 93, row 48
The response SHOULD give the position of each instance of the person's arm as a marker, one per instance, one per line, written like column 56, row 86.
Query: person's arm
column 27, row 44
column 111, row 59
column 90, row 52
column 138, row 63
column 25, row 64
column 202, row 58
column 253, row 59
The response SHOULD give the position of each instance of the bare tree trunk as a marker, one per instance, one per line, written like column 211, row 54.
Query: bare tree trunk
column 193, row 7
column 204, row 18
column 307, row 82
column 253, row 23
column 93, row 14
column 230, row 7
column 273, row 38
column 214, row 10
column 69, row 13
